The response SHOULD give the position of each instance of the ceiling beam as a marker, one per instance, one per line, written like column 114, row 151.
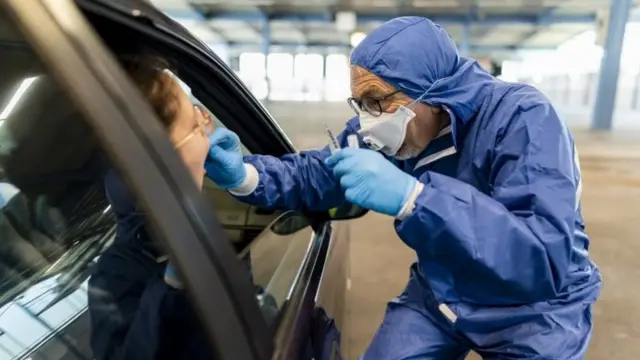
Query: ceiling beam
column 530, row 34
column 193, row 15
column 294, row 46
column 474, row 19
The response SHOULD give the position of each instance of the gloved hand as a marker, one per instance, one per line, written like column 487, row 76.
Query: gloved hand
column 224, row 164
column 171, row 277
column 371, row 181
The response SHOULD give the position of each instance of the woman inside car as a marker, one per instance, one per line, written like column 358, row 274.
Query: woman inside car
column 137, row 308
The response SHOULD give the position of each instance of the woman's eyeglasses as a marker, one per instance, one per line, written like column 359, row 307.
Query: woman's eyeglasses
column 204, row 126
column 372, row 105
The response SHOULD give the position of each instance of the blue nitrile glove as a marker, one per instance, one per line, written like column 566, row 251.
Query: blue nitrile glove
column 371, row 181
column 224, row 164
column 171, row 277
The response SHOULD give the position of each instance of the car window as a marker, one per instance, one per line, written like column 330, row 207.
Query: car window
column 242, row 222
column 272, row 245
column 195, row 100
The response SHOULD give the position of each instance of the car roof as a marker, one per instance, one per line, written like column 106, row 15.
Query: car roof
column 145, row 10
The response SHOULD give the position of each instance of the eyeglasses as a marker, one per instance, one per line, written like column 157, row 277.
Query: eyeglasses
column 371, row 105
column 204, row 126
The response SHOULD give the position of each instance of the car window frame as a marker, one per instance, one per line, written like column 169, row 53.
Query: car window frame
column 239, row 103
column 139, row 147
column 294, row 323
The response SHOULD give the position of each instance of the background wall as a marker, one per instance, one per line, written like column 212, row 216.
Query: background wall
column 303, row 120
column 574, row 96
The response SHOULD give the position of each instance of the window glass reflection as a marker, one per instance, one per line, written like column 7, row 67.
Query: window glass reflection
column 276, row 258
column 55, row 219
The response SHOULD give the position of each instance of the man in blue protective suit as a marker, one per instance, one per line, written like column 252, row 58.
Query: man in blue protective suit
column 484, row 182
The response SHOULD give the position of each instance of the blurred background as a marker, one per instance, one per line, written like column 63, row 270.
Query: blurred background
column 583, row 54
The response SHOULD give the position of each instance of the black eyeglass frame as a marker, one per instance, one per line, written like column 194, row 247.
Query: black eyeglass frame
column 370, row 105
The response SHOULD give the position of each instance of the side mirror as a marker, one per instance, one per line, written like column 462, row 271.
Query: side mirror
column 294, row 221
column 347, row 211
column 289, row 222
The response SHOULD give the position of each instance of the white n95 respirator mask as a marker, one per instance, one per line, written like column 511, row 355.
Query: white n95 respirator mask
column 386, row 132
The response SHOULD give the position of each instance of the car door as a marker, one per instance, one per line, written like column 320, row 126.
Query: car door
column 59, row 84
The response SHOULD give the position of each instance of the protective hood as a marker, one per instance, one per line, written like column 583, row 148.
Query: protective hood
column 419, row 57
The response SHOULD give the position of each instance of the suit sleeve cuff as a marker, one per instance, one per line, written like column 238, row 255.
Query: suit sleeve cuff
column 249, row 184
column 410, row 204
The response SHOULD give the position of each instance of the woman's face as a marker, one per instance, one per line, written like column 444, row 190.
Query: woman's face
column 189, row 134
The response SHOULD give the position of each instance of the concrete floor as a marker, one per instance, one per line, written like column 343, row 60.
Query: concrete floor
column 611, row 205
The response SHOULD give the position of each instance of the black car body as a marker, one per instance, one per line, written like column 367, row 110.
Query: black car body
column 68, row 114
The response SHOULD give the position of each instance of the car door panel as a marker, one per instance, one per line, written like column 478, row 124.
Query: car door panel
column 294, row 328
column 278, row 252
column 332, row 291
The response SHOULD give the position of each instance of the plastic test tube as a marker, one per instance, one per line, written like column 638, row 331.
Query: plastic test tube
column 352, row 141
column 333, row 142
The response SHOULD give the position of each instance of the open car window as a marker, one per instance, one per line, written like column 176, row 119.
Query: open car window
column 195, row 100
column 271, row 244
column 274, row 247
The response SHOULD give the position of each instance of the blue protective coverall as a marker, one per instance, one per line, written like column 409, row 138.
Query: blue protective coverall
column 503, row 264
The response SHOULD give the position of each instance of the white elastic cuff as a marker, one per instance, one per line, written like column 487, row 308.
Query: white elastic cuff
column 249, row 184
column 408, row 207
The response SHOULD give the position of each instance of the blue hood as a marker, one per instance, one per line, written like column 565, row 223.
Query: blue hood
column 418, row 57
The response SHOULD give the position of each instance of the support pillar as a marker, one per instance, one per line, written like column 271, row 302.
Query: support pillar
column 610, row 67
column 464, row 48
column 266, row 44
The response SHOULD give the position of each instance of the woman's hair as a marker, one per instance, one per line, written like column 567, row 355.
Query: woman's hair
column 152, row 75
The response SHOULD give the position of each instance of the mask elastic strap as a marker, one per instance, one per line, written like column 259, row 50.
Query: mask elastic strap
column 425, row 92
column 414, row 102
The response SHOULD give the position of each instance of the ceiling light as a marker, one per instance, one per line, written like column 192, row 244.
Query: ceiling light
column 436, row 3
column 356, row 38
column 24, row 86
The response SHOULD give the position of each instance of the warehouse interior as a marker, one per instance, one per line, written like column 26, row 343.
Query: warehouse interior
column 582, row 54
